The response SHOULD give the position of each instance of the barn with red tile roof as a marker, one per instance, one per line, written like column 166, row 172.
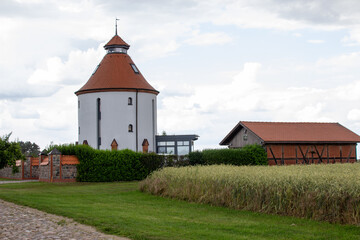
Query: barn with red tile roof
column 296, row 142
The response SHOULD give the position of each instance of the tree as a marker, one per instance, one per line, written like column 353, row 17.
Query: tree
column 9, row 153
column 29, row 149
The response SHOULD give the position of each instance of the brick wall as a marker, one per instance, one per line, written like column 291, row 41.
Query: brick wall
column 52, row 168
column 28, row 169
column 44, row 170
column 69, row 172
column 7, row 173
column 58, row 168
column 31, row 168
column 35, row 172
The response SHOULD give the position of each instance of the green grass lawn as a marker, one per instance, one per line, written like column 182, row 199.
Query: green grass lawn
column 6, row 179
column 119, row 208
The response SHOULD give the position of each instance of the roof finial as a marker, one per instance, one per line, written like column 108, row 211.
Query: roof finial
column 116, row 19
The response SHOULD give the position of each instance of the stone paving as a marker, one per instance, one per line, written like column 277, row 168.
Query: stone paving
column 19, row 222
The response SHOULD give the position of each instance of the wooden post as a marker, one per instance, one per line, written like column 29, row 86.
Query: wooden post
column 51, row 167
column 340, row 154
column 327, row 151
column 282, row 155
column 22, row 170
column 312, row 157
column 348, row 158
column 319, row 155
column 296, row 155
column 60, row 166
column 272, row 154
column 304, row 155
column 30, row 167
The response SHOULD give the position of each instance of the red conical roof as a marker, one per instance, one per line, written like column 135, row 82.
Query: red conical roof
column 116, row 40
column 116, row 73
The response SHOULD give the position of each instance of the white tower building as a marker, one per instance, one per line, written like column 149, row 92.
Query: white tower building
column 117, row 106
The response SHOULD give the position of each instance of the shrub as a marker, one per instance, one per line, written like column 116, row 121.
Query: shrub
column 152, row 161
column 9, row 153
column 248, row 155
column 196, row 158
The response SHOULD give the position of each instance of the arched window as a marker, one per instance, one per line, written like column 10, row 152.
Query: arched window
column 130, row 128
column 98, row 124
column 129, row 101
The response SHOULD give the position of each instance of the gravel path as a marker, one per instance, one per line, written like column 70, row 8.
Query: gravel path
column 19, row 222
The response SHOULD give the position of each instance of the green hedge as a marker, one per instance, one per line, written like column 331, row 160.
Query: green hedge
column 126, row 165
column 248, row 155
column 108, row 166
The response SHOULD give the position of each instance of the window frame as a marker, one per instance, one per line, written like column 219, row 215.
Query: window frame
column 130, row 128
column 134, row 68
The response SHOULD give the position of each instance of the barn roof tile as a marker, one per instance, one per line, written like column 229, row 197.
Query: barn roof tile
column 295, row 132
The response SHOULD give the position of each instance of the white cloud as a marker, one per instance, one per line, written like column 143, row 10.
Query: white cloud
column 253, row 16
column 159, row 49
column 350, row 60
column 312, row 112
column 348, row 92
column 315, row 41
column 49, row 76
column 42, row 120
column 24, row 113
column 354, row 114
column 213, row 110
column 353, row 39
column 203, row 39
column 54, row 45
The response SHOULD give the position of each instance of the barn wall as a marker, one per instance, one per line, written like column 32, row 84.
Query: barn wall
column 239, row 141
column 310, row 153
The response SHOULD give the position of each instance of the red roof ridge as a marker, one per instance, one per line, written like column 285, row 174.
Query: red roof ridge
column 286, row 122
column 295, row 132
column 116, row 40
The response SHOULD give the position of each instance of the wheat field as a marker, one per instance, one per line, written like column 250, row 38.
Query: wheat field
column 328, row 192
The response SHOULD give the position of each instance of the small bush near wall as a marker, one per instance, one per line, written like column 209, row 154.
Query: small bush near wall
column 248, row 155
column 152, row 161
column 196, row 158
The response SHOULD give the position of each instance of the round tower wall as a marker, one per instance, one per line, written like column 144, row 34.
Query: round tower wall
column 116, row 116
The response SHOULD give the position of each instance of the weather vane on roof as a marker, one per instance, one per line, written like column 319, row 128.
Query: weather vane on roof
column 116, row 19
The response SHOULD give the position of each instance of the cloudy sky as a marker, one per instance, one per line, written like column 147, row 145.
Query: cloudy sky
column 215, row 62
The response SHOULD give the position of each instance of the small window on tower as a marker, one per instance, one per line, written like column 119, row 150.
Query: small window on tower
column 130, row 128
column 134, row 68
column 129, row 101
